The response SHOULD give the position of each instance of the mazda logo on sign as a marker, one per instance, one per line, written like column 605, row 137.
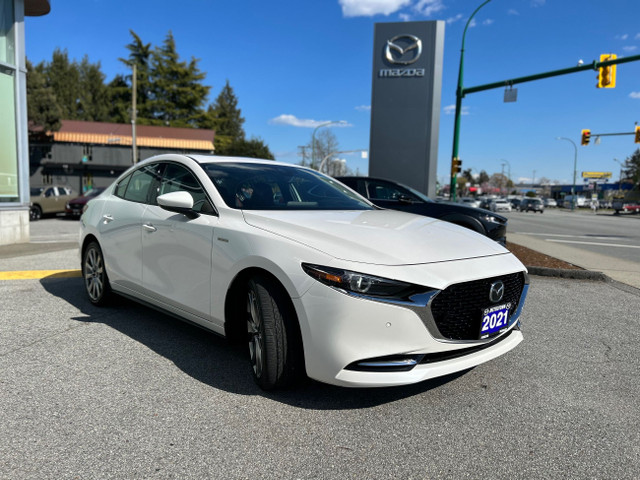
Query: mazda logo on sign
column 403, row 49
column 496, row 291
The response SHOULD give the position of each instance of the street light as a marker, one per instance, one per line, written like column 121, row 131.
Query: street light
column 619, row 178
column 459, row 95
column 313, row 138
column 575, row 165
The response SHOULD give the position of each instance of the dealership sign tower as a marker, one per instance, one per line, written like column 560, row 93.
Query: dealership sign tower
column 405, row 103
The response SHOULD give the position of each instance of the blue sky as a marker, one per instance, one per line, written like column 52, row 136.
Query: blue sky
column 295, row 64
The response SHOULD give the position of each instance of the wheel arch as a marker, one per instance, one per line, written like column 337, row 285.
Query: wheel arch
column 234, row 324
column 465, row 221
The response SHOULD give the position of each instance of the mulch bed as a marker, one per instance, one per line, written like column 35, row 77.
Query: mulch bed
column 531, row 258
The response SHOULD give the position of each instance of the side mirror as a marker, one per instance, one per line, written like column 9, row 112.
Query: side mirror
column 178, row 202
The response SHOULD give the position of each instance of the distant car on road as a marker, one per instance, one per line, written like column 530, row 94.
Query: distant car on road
column 75, row 206
column 532, row 204
column 49, row 200
column 500, row 205
column 470, row 202
column 395, row 196
column 549, row 202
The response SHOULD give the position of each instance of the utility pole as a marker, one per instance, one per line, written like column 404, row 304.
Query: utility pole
column 134, row 100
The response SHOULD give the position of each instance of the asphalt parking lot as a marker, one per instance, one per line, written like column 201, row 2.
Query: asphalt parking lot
column 126, row 392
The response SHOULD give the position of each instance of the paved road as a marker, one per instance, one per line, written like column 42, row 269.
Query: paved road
column 603, row 242
column 126, row 392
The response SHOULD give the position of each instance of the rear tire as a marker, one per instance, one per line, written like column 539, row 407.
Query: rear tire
column 275, row 345
column 96, row 282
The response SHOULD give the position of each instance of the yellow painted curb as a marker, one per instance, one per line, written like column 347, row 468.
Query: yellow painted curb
column 39, row 274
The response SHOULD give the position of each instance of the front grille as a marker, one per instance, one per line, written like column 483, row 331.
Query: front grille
column 457, row 310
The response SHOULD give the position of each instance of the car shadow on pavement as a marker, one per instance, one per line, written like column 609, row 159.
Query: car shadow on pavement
column 212, row 360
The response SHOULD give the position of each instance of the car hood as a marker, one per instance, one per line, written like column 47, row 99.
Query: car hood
column 383, row 237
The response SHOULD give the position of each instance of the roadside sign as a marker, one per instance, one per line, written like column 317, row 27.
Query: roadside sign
column 596, row 174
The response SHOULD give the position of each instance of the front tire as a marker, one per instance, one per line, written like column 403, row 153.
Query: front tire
column 96, row 282
column 275, row 345
column 35, row 213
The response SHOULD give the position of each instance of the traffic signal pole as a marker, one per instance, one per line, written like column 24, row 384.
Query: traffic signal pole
column 461, row 92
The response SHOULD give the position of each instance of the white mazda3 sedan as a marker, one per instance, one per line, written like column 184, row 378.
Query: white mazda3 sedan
column 312, row 276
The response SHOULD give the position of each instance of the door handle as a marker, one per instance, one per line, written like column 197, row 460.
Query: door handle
column 107, row 218
column 148, row 227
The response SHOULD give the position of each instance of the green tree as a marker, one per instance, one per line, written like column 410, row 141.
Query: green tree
column 226, row 119
column 254, row 148
column 42, row 104
column 120, row 87
column 63, row 77
column 93, row 96
column 631, row 168
column 177, row 93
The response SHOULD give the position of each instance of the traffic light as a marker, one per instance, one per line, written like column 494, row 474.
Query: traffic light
column 637, row 137
column 456, row 166
column 586, row 136
column 607, row 75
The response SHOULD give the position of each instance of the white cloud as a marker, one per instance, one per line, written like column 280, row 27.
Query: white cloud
column 293, row 121
column 630, row 48
column 488, row 21
column 512, row 11
column 429, row 7
column 451, row 109
column 363, row 108
column 472, row 23
column 637, row 37
column 538, row 3
column 405, row 17
column 635, row 95
column 624, row 36
column 451, row 20
column 369, row 8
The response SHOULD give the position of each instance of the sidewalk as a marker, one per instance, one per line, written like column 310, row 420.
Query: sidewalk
column 622, row 271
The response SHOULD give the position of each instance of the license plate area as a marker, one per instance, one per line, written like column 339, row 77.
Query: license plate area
column 495, row 320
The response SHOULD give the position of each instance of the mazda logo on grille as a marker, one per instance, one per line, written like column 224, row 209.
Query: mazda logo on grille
column 402, row 46
column 496, row 292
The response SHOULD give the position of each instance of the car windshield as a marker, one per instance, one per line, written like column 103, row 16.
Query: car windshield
column 259, row 186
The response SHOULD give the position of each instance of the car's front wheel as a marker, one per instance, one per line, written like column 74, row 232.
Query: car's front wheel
column 35, row 213
column 94, row 273
column 275, row 347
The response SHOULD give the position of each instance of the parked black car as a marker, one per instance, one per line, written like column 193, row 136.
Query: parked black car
column 395, row 196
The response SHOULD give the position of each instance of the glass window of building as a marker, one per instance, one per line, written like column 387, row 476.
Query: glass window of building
column 7, row 37
column 8, row 137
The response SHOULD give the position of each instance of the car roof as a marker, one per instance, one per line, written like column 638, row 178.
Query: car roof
column 225, row 159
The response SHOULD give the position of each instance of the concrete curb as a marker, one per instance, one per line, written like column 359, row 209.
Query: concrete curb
column 568, row 273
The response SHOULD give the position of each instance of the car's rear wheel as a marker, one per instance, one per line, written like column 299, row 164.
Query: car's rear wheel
column 275, row 347
column 35, row 213
column 94, row 273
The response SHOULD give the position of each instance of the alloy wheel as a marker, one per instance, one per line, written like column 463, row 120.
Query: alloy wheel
column 256, row 333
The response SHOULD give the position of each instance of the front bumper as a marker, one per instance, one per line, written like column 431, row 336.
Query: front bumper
column 358, row 342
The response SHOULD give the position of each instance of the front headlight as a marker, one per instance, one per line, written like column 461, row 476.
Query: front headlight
column 489, row 218
column 361, row 283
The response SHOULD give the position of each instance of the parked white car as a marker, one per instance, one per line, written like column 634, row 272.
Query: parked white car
column 500, row 205
column 313, row 277
column 470, row 201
